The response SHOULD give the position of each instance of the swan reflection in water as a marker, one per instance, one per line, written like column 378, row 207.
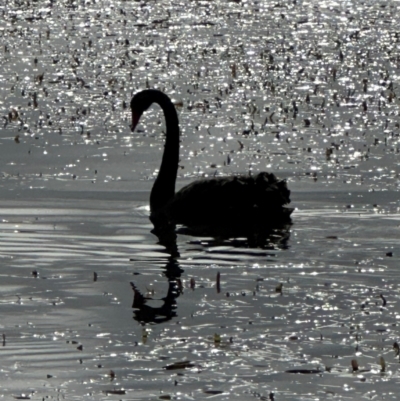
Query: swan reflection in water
column 239, row 211
column 145, row 313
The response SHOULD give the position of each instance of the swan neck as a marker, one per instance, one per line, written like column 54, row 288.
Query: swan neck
column 164, row 187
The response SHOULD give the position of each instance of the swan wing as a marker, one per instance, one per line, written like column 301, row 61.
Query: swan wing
column 237, row 198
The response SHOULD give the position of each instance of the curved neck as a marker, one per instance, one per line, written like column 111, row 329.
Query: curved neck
column 164, row 186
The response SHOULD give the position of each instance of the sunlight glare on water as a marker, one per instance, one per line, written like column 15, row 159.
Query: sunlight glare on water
column 93, row 306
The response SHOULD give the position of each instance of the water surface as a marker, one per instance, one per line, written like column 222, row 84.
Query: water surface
column 93, row 306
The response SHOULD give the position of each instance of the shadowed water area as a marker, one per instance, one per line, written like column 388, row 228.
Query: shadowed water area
column 95, row 306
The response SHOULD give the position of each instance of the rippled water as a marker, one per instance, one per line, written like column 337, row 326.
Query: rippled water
column 92, row 306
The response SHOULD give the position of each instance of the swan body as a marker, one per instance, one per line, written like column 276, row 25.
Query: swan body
column 228, row 201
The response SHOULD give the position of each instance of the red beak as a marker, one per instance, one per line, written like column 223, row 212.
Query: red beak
column 135, row 120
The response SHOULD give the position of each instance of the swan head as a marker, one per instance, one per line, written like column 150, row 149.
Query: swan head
column 140, row 102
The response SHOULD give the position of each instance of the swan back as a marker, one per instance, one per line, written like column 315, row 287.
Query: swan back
column 237, row 200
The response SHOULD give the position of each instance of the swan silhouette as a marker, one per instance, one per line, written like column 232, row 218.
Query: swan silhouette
column 237, row 201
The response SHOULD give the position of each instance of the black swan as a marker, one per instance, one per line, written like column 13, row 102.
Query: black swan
column 236, row 201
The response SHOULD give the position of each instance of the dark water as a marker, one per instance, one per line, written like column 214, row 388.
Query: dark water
column 92, row 306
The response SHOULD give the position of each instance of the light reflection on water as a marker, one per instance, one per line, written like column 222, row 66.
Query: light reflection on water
column 328, row 312
column 307, row 90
